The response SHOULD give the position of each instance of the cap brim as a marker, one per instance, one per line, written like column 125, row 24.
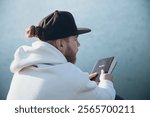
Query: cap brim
column 83, row 30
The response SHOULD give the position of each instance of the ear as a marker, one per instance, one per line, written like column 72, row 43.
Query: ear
column 60, row 45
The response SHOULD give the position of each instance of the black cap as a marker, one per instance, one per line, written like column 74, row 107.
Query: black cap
column 60, row 24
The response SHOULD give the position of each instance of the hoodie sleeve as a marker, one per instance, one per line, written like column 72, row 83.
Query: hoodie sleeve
column 108, row 89
column 89, row 90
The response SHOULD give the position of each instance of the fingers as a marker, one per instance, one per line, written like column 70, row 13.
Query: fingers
column 103, row 76
column 92, row 75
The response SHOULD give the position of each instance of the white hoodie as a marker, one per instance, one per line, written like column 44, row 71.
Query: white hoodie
column 42, row 72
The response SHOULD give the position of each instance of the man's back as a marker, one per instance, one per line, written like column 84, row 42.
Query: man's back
column 53, row 79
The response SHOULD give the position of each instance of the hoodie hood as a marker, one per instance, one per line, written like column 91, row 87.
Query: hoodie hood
column 39, row 53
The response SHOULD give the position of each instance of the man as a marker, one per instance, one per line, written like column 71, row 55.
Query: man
column 46, row 69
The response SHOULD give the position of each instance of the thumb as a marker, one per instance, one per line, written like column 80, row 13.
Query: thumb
column 102, row 71
column 102, row 75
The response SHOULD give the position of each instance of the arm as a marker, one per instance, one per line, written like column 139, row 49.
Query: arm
column 99, row 90
column 83, row 88
column 105, row 83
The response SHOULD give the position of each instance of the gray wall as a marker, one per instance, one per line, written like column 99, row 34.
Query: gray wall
column 120, row 28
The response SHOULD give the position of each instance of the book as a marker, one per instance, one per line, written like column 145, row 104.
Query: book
column 107, row 64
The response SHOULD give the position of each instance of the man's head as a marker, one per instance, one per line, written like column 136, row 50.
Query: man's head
column 68, row 47
column 60, row 30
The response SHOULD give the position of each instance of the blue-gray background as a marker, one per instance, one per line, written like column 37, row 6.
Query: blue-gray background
column 120, row 28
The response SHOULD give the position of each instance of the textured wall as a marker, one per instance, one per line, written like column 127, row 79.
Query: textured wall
column 119, row 28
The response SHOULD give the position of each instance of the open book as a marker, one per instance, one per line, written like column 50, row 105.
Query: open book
column 107, row 64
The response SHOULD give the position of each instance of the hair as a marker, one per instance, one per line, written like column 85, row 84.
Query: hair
column 35, row 31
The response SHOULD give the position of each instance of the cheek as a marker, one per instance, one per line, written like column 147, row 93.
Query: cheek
column 75, row 48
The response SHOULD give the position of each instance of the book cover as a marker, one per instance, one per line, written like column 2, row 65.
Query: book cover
column 107, row 64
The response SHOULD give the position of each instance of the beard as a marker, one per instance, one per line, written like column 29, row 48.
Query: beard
column 70, row 55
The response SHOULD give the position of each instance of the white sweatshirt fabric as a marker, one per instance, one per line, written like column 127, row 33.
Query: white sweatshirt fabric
column 41, row 72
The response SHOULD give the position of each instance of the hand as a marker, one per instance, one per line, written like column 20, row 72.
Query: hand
column 105, row 76
column 93, row 75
